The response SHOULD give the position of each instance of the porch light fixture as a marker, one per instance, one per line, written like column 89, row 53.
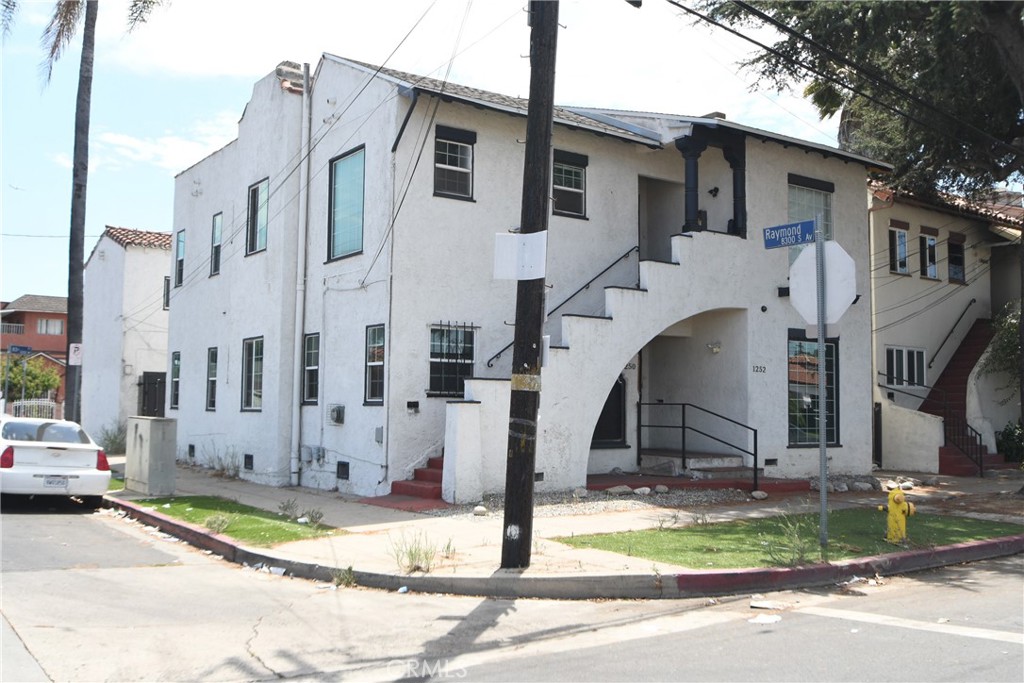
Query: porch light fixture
column 714, row 347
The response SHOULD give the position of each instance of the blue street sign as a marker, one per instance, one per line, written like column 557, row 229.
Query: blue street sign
column 789, row 235
column 19, row 349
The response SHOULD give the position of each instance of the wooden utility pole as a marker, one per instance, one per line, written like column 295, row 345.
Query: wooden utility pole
column 517, row 530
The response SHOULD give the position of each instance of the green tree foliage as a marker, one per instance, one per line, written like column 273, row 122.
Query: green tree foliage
column 36, row 376
column 1004, row 352
column 934, row 88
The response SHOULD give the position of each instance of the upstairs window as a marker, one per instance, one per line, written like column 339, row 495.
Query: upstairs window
column 926, row 245
column 453, row 162
column 569, row 184
column 451, row 359
column 167, row 292
column 50, row 326
column 179, row 259
column 256, row 229
column 810, row 199
column 346, row 205
column 904, row 367
column 374, row 364
column 898, row 247
column 955, row 247
column 215, row 237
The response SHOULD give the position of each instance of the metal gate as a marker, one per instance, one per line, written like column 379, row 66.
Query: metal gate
column 152, row 394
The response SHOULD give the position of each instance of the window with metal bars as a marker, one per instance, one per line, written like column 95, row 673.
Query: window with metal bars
column 803, row 390
column 451, row 358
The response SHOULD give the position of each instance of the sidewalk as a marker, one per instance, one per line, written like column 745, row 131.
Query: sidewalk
column 368, row 534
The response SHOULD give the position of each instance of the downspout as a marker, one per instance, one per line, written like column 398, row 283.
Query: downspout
column 299, row 324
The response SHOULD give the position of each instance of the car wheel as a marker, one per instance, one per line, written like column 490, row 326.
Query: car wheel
column 92, row 502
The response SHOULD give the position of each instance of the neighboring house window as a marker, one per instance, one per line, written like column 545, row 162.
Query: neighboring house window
column 898, row 246
column 175, row 377
column 346, row 205
column 311, row 368
column 569, row 184
column 926, row 243
column 54, row 326
column 179, row 259
column 374, row 364
column 215, row 237
column 256, row 229
column 167, row 292
column 803, row 390
column 810, row 199
column 904, row 367
column 451, row 359
column 955, row 246
column 211, row 378
column 252, row 374
column 453, row 162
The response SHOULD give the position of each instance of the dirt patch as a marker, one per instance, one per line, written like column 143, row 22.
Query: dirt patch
column 1008, row 503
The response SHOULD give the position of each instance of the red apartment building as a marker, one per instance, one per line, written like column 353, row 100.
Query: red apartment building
column 40, row 323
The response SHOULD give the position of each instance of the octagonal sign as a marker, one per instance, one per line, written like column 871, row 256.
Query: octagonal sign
column 840, row 283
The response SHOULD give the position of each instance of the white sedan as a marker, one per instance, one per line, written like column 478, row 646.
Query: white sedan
column 44, row 457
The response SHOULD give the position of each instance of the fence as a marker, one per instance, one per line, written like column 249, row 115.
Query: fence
column 36, row 407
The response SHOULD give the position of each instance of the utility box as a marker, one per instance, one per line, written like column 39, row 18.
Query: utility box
column 149, row 465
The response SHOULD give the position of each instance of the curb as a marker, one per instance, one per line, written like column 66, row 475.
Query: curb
column 509, row 583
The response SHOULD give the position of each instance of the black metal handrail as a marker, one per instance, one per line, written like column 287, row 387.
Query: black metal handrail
column 684, row 427
column 955, row 428
column 950, row 333
column 490, row 361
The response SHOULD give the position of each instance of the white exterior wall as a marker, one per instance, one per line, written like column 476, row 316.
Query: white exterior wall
column 910, row 439
column 253, row 296
column 103, row 335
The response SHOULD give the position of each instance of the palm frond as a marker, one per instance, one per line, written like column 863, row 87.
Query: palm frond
column 8, row 8
column 60, row 31
column 139, row 11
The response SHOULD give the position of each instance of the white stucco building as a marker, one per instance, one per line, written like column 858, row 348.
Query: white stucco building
column 336, row 322
column 942, row 270
column 124, row 327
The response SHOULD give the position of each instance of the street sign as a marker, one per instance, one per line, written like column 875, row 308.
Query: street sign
column 840, row 283
column 74, row 354
column 19, row 349
column 789, row 235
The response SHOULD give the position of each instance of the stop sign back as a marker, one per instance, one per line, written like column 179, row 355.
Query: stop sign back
column 840, row 283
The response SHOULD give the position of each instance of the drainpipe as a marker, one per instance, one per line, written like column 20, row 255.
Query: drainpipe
column 299, row 324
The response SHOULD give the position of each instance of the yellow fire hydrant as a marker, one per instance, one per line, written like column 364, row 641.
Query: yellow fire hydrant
column 899, row 509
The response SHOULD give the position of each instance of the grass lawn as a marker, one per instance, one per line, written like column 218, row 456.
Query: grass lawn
column 788, row 540
column 241, row 522
column 116, row 483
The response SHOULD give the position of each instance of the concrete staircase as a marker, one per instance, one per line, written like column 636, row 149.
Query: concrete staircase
column 426, row 481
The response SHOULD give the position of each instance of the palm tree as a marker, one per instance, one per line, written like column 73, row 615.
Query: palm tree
column 67, row 16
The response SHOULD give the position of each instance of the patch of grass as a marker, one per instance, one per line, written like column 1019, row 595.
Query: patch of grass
column 781, row 541
column 116, row 483
column 246, row 524
column 413, row 553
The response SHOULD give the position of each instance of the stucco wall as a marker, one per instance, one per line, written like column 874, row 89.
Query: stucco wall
column 103, row 336
column 910, row 440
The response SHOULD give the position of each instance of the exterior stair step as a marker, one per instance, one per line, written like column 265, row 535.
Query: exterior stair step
column 421, row 489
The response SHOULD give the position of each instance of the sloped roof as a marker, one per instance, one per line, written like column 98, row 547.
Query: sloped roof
column 38, row 303
column 127, row 237
column 1000, row 211
column 491, row 100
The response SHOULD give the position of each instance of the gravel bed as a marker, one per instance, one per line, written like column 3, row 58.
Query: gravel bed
column 562, row 503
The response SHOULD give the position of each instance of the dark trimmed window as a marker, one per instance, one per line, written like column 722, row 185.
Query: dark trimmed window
column 809, row 199
column 252, row 373
column 926, row 250
column 898, row 231
column 345, row 223
column 175, row 378
column 802, row 366
column 374, row 391
column 215, row 238
column 167, row 292
column 310, row 368
column 211, row 378
column 453, row 162
column 569, row 184
column 256, row 226
column 955, row 260
column 451, row 359
column 179, row 258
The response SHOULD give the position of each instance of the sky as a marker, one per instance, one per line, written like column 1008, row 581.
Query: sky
column 172, row 91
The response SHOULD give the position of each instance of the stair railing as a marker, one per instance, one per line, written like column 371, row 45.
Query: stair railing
column 955, row 428
column 684, row 427
column 950, row 333
column 490, row 361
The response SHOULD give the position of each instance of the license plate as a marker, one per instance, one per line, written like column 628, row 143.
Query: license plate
column 55, row 482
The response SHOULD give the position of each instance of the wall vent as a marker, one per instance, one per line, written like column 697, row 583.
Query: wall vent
column 247, row 461
column 342, row 470
column 336, row 413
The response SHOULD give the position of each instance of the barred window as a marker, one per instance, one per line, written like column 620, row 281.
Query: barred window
column 803, row 390
column 451, row 358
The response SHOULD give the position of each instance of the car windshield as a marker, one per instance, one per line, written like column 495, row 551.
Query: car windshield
column 54, row 432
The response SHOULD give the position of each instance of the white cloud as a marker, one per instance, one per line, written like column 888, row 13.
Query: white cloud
column 172, row 151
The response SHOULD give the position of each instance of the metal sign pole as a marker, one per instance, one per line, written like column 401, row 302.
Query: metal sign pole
column 819, row 249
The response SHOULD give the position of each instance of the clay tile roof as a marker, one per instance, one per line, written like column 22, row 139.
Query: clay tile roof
column 139, row 238
column 37, row 303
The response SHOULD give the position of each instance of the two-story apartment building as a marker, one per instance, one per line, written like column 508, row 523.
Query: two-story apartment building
column 335, row 320
column 124, row 331
column 40, row 323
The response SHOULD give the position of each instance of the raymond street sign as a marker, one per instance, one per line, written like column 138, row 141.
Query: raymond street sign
column 19, row 349
column 789, row 235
